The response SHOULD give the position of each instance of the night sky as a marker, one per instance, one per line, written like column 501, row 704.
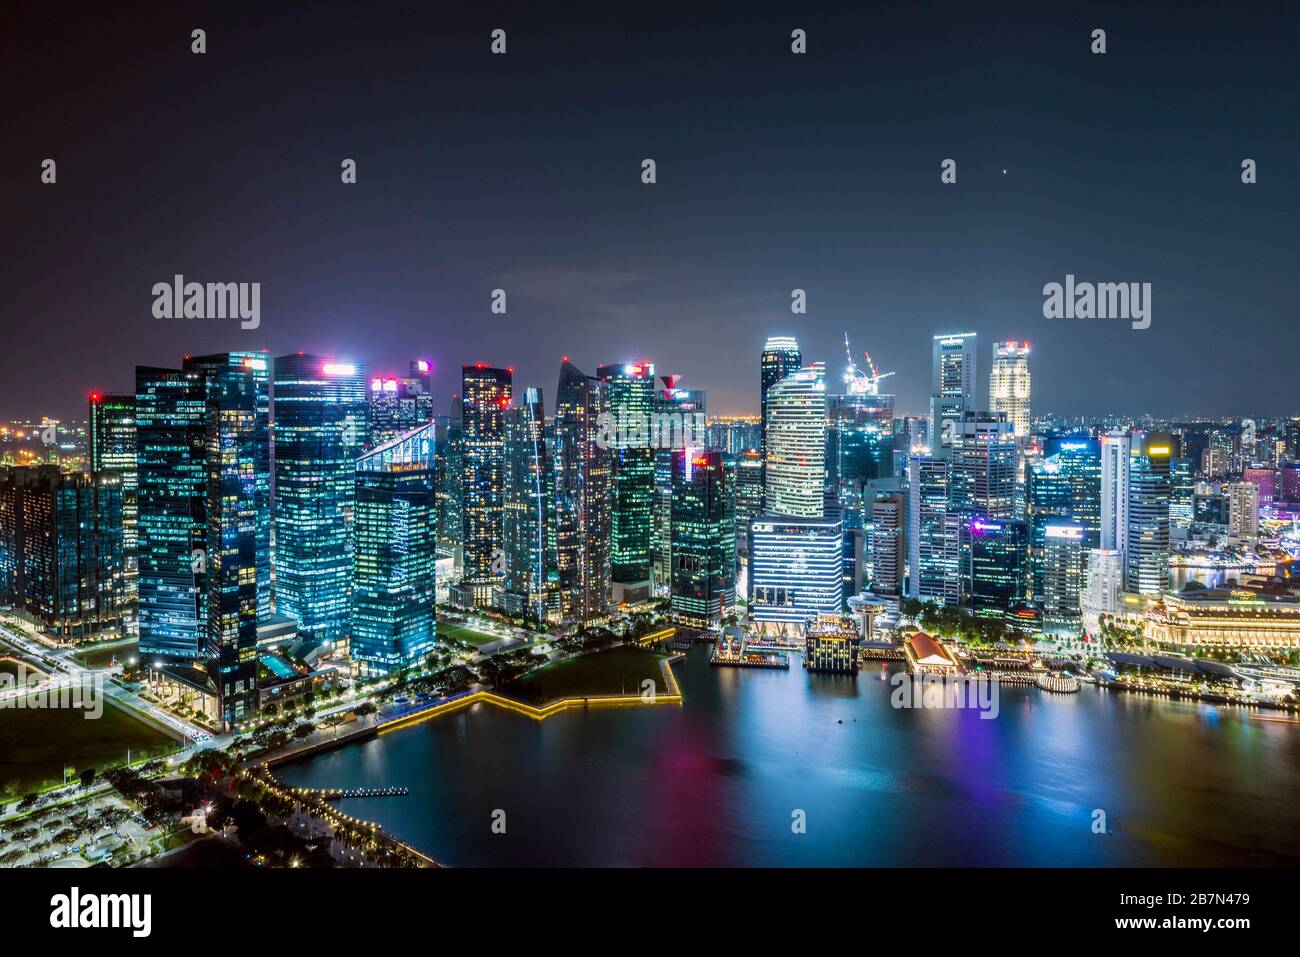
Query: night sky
column 775, row 171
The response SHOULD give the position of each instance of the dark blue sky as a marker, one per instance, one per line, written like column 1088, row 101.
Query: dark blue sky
column 775, row 171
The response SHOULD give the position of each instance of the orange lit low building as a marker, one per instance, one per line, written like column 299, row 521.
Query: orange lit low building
column 927, row 655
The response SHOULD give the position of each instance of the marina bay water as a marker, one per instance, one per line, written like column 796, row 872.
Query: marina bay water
column 719, row 779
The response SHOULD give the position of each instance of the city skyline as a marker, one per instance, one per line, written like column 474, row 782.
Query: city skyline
column 746, row 436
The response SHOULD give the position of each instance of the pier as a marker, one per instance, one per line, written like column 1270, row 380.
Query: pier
column 770, row 660
column 333, row 794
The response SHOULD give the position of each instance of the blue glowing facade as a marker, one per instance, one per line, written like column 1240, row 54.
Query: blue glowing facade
column 395, row 555
column 320, row 431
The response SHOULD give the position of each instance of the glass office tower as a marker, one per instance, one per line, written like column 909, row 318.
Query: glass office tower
column 395, row 555
column 994, row 552
column 528, row 537
column 781, row 357
column 703, row 539
column 236, row 505
column 112, row 449
column 631, row 402
column 171, row 502
column 485, row 396
column 320, row 431
column 582, row 496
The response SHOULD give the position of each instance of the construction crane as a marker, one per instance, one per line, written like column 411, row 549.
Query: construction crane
column 858, row 382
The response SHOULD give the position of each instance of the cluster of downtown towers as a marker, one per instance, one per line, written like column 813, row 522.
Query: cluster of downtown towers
column 255, row 489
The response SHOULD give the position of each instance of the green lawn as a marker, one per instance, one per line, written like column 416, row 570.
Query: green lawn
column 616, row 671
column 93, row 657
column 36, row 745
column 454, row 632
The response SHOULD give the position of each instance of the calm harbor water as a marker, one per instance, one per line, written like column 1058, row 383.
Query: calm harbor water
column 715, row 781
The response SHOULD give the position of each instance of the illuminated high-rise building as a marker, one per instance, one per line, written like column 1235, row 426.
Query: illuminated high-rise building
column 395, row 554
column 983, row 457
column 1009, row 384
column 1182, row 489
column 320, row 432
column 204, row 510
column 397, row 405
column 796, row 570
column 781, row 357
column 1116, row 449
column 888, row 541
column 933, row 532
column 1146, row 548
column 994, row 554
column 172, row 520
column 1265, row 479
column 749, row 494
column 485, row 395
column 62, row 550
column 796, row 548
column 1064, row 486
column 689, row 405
column 859, row 450
column 237, row 467
column 796, row 444
column 112, row 449
column 953, row 375
column 1103, row 584
column 530, row 574
column 448, row 479
column 703, row 590
column 1061, row 568
column 631, row 389
column 1243, row 510
column 581, row 463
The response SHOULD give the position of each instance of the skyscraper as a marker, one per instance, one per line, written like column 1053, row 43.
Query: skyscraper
column 983, row 456
column 1104, row 581
column 320, row 431
column 888, row 514
column 1009, row 384
column 1146, row 547
column 582, row 501
column 1062, row 567
column 62, row 552
column 781, row 357
column 994, row 556
column 796, row 571
column 796, row 443
column 703, row 539
column 793, row 575
column 1116, row 448
column 1243, row 510
column 448, row 478
column 796, row 549
column 395, row 555
column 953, row 368
column 530, row 574
column 203, row 464
column 398, row 405
column 859, row 449
column 749, row 493
column 632, row 400
column 1064, row 486
column 171, row 501
column 933, row 532
column 485, row 395
column 237, row 507
column 689, row 405
column 112, row 449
